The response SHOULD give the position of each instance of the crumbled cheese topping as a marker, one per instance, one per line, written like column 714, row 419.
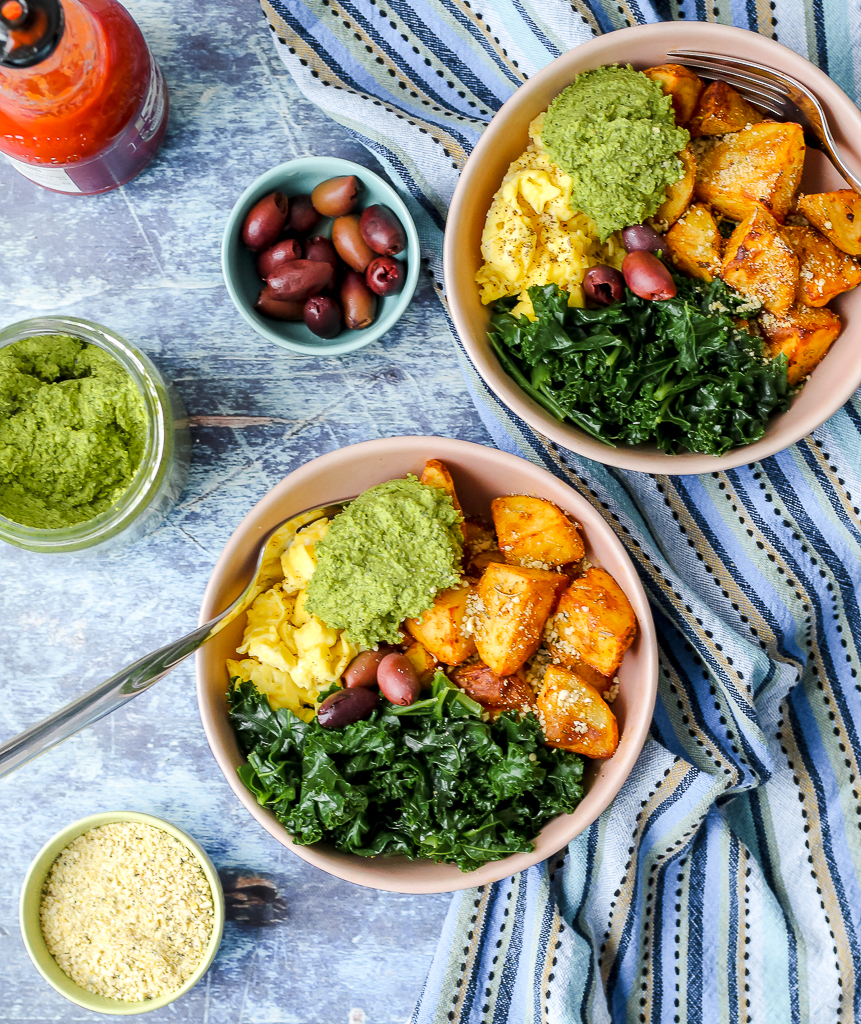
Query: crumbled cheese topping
column 556, row 632
column 536, row 667
column 533, row 563
column 473, row 612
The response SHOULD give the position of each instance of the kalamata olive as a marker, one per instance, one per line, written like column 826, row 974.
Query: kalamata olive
column 285, row 251
column 349, row 244
column 323, row 316
column 345, row 707
column 264, row 221
column 398, row 679
column 362, row 670
column 604, row 285
column 641, row 237
column 358, row 301
column 300, row 279
column 302, row 216
column 337, row 196
column 382, row 230
column 385, row 275
column 321, row 250
column 647, row 277
column 278, row 309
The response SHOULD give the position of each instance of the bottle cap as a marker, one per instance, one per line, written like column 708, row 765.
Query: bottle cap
column 29, row 31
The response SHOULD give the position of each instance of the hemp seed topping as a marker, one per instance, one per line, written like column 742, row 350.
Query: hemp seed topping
column 127, row 911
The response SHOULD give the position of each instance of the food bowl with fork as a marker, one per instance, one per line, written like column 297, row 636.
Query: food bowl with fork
column 833, row 381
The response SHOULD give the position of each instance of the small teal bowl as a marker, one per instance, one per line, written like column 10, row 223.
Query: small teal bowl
column 299, row 177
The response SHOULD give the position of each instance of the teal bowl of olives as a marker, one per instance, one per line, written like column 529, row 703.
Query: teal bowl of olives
column 320, row 255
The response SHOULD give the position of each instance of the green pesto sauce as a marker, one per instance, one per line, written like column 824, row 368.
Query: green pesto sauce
column 384, row 559
column 613, row 131
column 72, row 431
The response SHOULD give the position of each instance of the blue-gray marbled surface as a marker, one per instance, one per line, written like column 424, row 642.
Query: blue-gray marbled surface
column 145, row 260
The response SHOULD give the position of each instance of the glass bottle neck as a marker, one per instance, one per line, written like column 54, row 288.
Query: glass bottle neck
column 30, row 31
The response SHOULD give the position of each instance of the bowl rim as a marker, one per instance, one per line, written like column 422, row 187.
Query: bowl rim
column 715, row 38
column 354, row 340
column 31, row 929
column 243, row 539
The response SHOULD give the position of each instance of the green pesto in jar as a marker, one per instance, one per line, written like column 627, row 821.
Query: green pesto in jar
column 614, row 132
column 73, row 430
column 384, row 559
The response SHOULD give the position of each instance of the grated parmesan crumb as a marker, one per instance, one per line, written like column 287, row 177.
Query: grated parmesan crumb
column 127, row 911
column 611, row 694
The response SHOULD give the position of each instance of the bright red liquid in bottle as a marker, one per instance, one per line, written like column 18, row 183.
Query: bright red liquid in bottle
column 91, row 116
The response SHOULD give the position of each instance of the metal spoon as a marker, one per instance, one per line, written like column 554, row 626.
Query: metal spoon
column 140, row 676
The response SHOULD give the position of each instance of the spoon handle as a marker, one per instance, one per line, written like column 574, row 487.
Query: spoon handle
column 103, row 699
column 140, row 676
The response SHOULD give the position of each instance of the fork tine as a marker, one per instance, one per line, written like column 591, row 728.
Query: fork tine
column 734, row 76
column 778, row 108
column 758, row 74
column 766, row 105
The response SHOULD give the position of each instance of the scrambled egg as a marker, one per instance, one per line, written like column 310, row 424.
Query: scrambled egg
column 533, row 237
column 291, row 654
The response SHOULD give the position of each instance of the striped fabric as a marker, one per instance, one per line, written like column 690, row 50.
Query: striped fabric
column 724, row 883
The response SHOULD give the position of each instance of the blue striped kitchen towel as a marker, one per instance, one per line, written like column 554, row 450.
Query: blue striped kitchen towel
column 724, row 883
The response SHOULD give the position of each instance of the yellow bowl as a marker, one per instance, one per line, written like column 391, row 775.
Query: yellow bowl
column 832, row 383
column 31, row 927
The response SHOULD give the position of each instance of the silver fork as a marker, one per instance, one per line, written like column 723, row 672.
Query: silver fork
column 771, row 91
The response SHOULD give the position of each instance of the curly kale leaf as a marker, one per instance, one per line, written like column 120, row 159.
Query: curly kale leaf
column 678, row 373
column 430, row 780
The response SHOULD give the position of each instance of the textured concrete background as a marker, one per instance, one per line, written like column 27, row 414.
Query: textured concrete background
column 145, row 260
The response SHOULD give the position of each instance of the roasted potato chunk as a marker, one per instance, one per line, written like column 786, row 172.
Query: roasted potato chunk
column 483, row 559
column 722, row 109
column 594, row 624
column 495, row 693
column 757, row 166
column 837, row 215
column 603, row 684
column 535, row 532
column 682, row 85
column 695, row 244
column 823, row 270
column 422, row 661
column 803, row 334
column 511, row 606
column 436, row 474
column 678, row 194
column 760, row 263
column 440, row 629
column 574, row 716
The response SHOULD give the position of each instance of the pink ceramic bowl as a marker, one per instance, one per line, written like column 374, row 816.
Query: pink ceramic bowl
column 480, row 474
column 832, row 383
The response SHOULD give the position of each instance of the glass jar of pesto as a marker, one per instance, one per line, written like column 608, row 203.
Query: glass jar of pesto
column 74, row 483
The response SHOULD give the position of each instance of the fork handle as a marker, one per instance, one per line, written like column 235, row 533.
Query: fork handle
column 102, row 700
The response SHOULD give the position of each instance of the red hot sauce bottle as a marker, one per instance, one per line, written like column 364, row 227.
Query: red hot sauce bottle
column 83, row 104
